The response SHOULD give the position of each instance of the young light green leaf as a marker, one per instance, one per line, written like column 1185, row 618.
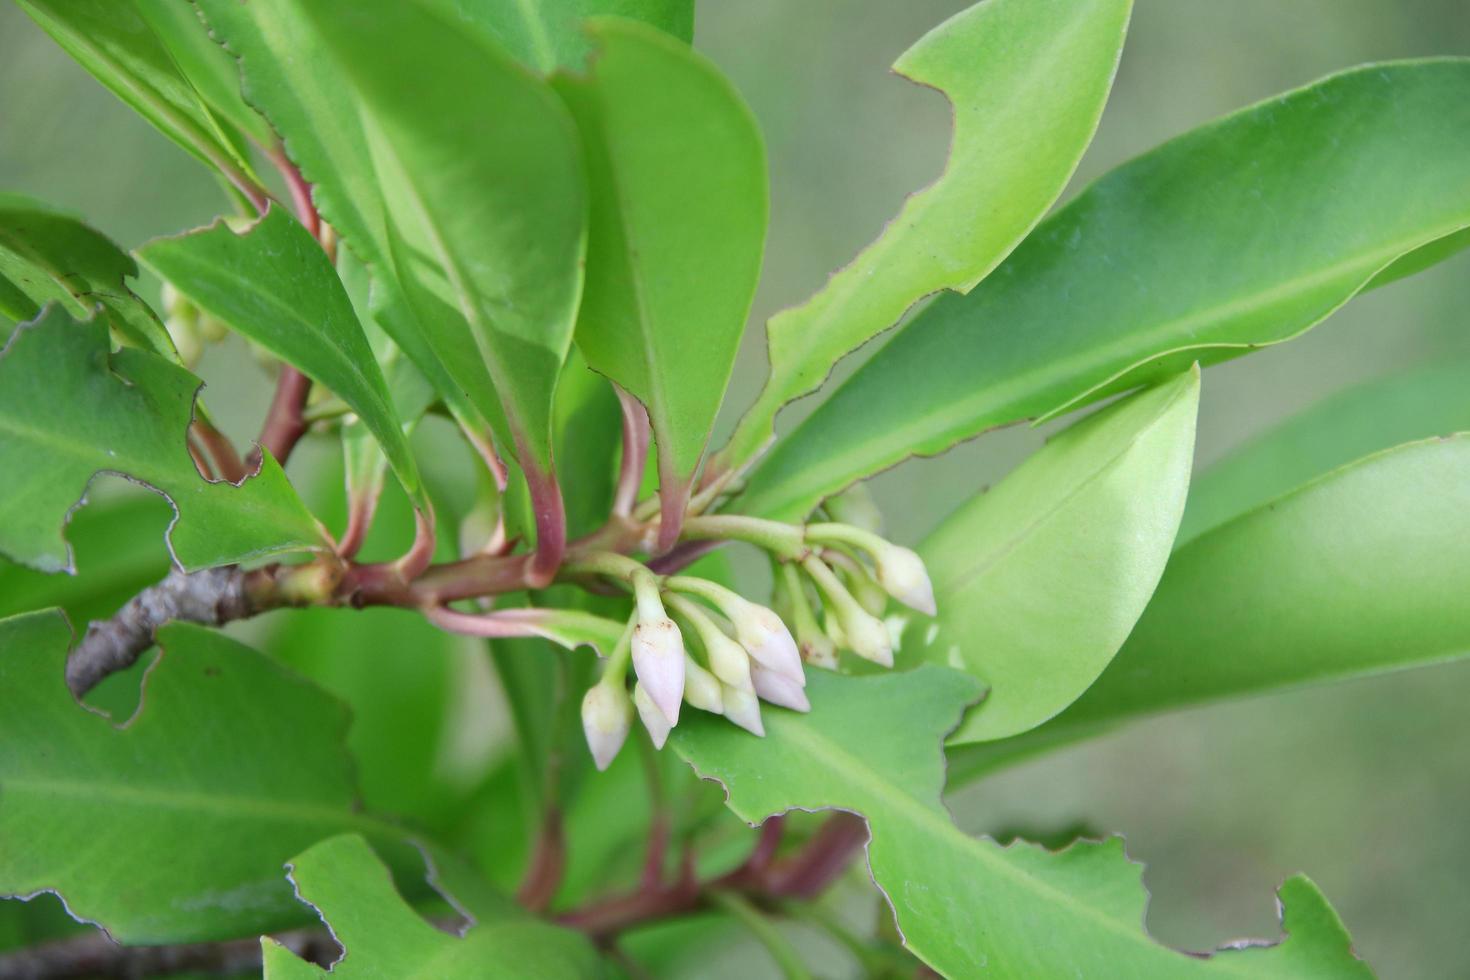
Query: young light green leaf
column 47, row 256
column 124, row 413
column 275, row 285
column 190, row 800
column 548, row 36
column 115, row 42
column 1040, row 579
column 382, row 936
column 1349, row 425
column 1239, row 234
column 1027, row 80
column 969, row 907
column 677, row 229
column 1360, row 572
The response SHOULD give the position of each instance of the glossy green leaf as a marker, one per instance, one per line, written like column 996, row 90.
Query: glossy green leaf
column 115, row 42
column 1360, row 572
column 1239, row 234
column 69, row 410
column 275, row 285
column 488, row 184
column 1349, row 425
column 289, row 74
column 969, row 907
column 230, row 766
column 1040, row 579
column 383, row 937
column 47, row 256
column 677, row 228
column 1026, row 80
column 206, row 65
column 550, row 34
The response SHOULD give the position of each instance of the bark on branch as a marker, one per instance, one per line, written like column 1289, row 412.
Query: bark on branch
column 96, row 957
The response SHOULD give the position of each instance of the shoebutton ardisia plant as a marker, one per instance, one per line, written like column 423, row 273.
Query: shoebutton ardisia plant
column 538, row 226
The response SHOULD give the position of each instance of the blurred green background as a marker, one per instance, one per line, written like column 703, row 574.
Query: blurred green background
column 1363, row 786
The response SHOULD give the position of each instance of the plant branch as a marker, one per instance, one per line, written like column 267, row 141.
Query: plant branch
column 94, row 956
column 285, row 422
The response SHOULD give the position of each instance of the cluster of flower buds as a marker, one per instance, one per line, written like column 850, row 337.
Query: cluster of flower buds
column 693, row 641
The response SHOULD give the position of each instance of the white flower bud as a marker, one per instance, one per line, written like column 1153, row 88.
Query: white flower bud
column 653, row 719
column 766, row 638
column 743, row 709
column 728, row 660
column 818, row 649
column 902, row 574
column 658, row 660
column 867, row 636
column 779, row 689
column 701, row 689
column 833, row 629
column 607, row 715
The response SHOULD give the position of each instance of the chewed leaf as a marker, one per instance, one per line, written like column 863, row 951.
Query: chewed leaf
column 180, row 779
column 1040, row 579
column 1358, row 572
column 47, row 256
column 382, row 936
column 275, row 285
column 1027, row 80
column 126, row 413
column 678, row 225
column 1236, row 235
column 966, row 906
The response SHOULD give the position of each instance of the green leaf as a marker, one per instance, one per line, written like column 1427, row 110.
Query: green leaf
column 969, row 907
column 1360, row 572
column 1040, row 579
column 114, row 41
column 1026, row 80
column 47, row 256
column 488, row 191
column 69, row 410
column 550, row 35
column 289, row 74
column 1349, row 425
column 677, row 228
column 174, row 826
column 1237, row 235
column 382, row 936
column 275, row 285
column 205, row 64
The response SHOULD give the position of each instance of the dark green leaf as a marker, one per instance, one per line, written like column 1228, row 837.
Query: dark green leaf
column 69, row 410
column 47, row 256
column 969, row 907
column 677, row 228
column 275, row 285
column 1360, row 572
column 383, row 937
column 1237, row 235
column 1040, row 579
column 173, row 827
column 1027, row 80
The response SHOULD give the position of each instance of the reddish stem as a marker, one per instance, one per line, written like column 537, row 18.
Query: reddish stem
column 285, row 422
column 636, row 437
column 548, row 865
column 222, row 454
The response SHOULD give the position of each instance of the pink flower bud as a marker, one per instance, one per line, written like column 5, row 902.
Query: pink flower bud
column 743, row 709
column 779, row 689
column 658, row 660
column 653, row 719
column 701, row 689
column 767, row 640
column 902, row 574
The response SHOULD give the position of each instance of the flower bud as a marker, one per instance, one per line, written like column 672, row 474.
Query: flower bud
column 867, row 636
column 766, row 638
column 701, row 689
column 658, row 660
column 868, row 593
column 728, row 660
column 818, row 649
column 607, row 715
column 902, row 574
column 653, row 719
column 779, row 689
column 743, row 709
